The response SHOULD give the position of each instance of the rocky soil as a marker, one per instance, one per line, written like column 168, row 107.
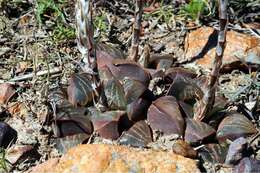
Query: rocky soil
column 147, row 123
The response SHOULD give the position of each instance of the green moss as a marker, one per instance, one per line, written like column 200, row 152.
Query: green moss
column 195, row 9
column 62, row 32
column 49, row 8
column 164, row 14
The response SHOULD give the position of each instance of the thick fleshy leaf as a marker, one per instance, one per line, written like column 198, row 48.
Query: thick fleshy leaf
column 106, row 53
column 171, row 73
column 69, row 125
column 107, row 123
column 80, row 91
column 217, row 113
column 137, row 110
column 8, row 135
column 131, row 70
column 115, row 96
column 214, row 153
column 139, row 135
column 69, row 120
column 164, row 115
column 236, row 151
column 186, row 109
column 65, row 143
column 247, row 165
column 58, row 98
column 185, row 89
column 183, row 148
column 155, row 73
column 215, row 119
column 197, row 131
column 219, row 104
column 160, row 61
column 133, row 89
column 105, row 74
column 234, row 126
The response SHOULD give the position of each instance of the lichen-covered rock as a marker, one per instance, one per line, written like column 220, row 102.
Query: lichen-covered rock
column 101, row 158
column 200, row 46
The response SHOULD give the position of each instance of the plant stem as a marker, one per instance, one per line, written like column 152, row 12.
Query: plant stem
column 85, row 35
column 136, row 30
column 207, row 102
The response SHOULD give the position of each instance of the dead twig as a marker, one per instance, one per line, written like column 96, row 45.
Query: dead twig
column 52, row 71
column 206, row 103
column 136, row 30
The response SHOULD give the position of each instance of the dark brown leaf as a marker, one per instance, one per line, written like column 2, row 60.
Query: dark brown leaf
column 214, row 153
column 185, row 89
column 8, row 135
column 219, row 104
column 197, row 131
column 156, row 73
column 158, row 61
column 105, row 74
column 6, row 92
column 186, row 109
column 217, row 113
column 105, row 55
column 131, row 70
column 58, row 97
column 70, row 120
column 107, row 123
column 139, row 135
column 179, row 71
column 80, row 91
column 164, row 115
column 183, row 148
column 234, row 126
column 236, row 150
column 115, row 96
column 137, row 110
column 133, row 89
column 70, row 125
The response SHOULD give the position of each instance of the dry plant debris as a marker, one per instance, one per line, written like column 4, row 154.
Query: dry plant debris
column 57, row 92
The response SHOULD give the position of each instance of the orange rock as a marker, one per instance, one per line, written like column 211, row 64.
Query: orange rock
column 101, row 158
column 46, row 166
column 200, row 46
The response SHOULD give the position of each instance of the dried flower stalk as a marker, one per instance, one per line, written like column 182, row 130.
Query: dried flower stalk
column 207, row 102
column 136, row 30
column 85, row 35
